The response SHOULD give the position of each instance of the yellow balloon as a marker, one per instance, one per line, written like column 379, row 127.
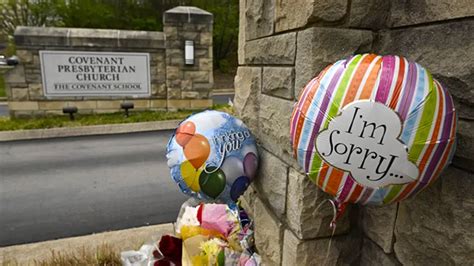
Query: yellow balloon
column 191, row 175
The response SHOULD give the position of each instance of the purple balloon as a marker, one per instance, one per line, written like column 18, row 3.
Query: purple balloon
column 238, row 188
column 250, row 164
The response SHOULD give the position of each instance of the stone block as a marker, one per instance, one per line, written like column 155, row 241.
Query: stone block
column 25, row 56
column 201, row 103
column 319, row 47
column 83, row 105
column 205, row 94
column 15, row 75
column 373, row 255
column 106, row 111
column 296, row 14
column 272, row 180
column 36, row 60
column 92, row 37
column 51, row 105
column 46, row 36
column 205, row 64
column 131, row 39
column 157, row 103
column 22, row 106
column 268, row 234
column 279, row 49
column 175, row 52
column 248, row 199
column 173, row 72
column 369, row 14
column 464, row 156
column 202, row 53
column 302, row 213
column 35, row 91
column 33, row 78
column 343, row 250
column 274, row 126
column 157, row 57
column 378, row 224
column 445, row 50
column 202, row 87
column 260, row 16
column 174, row 93
column 197, row 76
column 190, row 35
column 112, row 104
column 16, row 85
column 58, row 112
column 158, row 90
column 141, row 104
column 404, row 12
column 189, row 94
column 186, row 85
column 178, row 104
column 279, row 81
column 205, row 38
column 248, row 83
column 435, row 227
column 20, row 114
column 19, row 94
column 171, row 32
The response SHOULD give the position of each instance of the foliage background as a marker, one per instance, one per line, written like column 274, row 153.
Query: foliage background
column 121, row 14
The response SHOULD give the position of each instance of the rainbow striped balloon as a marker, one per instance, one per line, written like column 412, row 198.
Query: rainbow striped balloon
column 425, row 108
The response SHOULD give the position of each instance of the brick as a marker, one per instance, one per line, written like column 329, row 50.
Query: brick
column 279, row 49
column 112, row 104
column 22, row 106
column 201, row 104
column 179, row 104
column 52, row 105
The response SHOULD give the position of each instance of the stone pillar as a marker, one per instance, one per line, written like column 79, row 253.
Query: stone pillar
column 282, row 45
column 189, row 86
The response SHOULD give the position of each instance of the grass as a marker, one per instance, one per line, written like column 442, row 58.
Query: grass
column 2, row 87
column 103, row 255
column 55, row 121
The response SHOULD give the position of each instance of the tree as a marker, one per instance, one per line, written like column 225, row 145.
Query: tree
column 26, row 13
column 124, row 14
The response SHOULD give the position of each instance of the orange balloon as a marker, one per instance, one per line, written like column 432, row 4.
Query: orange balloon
column 185, row 132
column 197, row 150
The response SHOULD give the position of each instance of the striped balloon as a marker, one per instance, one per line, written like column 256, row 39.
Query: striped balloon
column 423, row 105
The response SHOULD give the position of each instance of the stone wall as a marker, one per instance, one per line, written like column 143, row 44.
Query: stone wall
column 174, row 85
column 282, row 45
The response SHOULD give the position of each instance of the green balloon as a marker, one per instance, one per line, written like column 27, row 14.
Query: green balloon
column 213, row 183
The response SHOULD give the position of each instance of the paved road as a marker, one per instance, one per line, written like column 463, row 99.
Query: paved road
column 223, row 98
column 3, row 109
column 74, row 186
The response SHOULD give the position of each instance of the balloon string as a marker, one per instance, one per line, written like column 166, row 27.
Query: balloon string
column 332, row 224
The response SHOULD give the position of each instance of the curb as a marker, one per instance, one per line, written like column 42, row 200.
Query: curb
column 121, row 240
column 223, row 92
column 87, row 130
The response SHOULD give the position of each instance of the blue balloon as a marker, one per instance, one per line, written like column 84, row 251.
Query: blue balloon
column 238, row 188
column 228, row 138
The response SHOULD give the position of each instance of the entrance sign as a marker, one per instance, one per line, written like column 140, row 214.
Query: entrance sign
column 74, row 73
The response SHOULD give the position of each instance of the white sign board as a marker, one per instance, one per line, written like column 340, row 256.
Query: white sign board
column 364, row 140
column 71, row 73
